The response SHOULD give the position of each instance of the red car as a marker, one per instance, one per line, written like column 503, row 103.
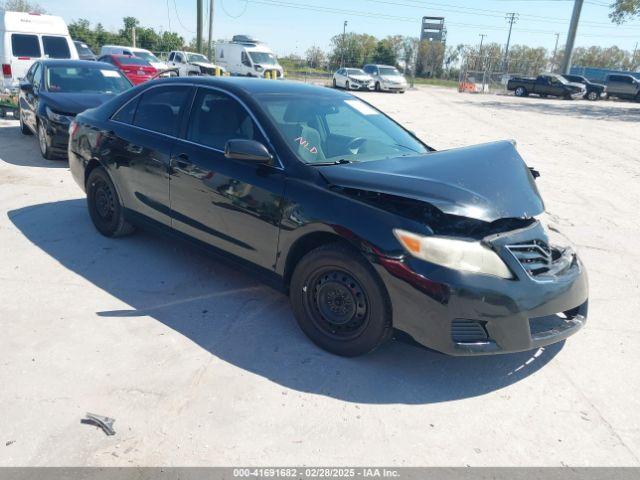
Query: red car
column 135, row 69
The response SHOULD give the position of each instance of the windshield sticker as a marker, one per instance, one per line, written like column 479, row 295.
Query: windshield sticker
column 110, row 73
column 305, row 144
column 361, row 107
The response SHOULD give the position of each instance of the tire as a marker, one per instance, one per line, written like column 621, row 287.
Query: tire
column 520, row 92
column 402, row 91
column 105, row 208
column 23, row 127
column 339, row 301
column 543, row 95
column 378, row 88
column 593, row 96
column 347, row 86
column 44, row 142
column 335, row 84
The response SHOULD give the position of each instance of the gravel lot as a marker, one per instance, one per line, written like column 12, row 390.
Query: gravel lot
column 201, row 365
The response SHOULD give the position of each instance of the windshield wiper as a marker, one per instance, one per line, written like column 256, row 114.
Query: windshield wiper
column 342, row 161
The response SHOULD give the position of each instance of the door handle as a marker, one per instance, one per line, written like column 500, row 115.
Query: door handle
column 181, row 163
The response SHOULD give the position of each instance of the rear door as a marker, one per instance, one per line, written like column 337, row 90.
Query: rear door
column 232, row 205
column 25, row 49
column 144, row 132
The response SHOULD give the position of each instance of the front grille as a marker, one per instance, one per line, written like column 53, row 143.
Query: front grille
column 468, row 331
column 535, row 256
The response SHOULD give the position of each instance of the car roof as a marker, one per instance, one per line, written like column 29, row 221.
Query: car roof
column 77, row 63
column 251, row 86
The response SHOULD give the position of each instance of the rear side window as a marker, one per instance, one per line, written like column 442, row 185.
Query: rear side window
column 55, row 47
column 159, row 109
column 126, row 113
column 25, row 45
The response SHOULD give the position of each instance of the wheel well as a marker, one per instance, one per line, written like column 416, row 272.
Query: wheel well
column 306, row 244
column 93, row 163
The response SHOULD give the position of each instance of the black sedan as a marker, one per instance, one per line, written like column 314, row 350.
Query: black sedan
column 55, row 91
column 595, row 91
column 366, row 227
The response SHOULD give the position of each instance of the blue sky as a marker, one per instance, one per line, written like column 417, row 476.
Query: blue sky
column 291, row 26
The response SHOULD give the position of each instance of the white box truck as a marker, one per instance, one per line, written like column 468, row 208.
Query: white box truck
column 27, row 37
column 248, row 57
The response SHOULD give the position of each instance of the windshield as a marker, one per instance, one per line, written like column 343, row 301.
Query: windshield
column 355, row 71
column 334, row 128
column 197, row 57
column 83, row 49
column 389, row 71
column 263, row 58
column 148, row 56
column 85, row 80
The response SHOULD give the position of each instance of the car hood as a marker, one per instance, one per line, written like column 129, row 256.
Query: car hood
column 74, row 102
column 203, row 64
column 484, row 182
column 576, row 85
column 393, row 78
column 362, row 78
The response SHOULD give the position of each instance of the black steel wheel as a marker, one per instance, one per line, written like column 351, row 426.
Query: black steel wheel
column 340, row 302
column 104, row 205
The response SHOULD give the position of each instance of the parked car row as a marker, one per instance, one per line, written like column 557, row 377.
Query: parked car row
column 372, row 77
column 621, row 86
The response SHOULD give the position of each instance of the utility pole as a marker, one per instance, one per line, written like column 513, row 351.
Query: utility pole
column 199, row 25
column 633, row 57
column 511, row 18
column 555, row 50
column 210, row 37
column 344, row 38
column 571, row 37
column 482, row 35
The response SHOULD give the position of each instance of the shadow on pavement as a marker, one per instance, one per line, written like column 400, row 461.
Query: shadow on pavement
column 227, row 312
column 576, row 108
column 22, row 150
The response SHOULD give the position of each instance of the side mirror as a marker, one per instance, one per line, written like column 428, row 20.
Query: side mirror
column 248, row 151
column 26, row 87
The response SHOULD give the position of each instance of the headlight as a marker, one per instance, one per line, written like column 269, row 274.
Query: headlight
column 468, row 256
column 57, row 117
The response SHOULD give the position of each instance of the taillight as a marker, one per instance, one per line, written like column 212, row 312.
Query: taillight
column 6, row 70
column 73, row 128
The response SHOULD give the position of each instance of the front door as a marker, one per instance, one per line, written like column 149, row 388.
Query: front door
column 144, row 134
column 232, row 205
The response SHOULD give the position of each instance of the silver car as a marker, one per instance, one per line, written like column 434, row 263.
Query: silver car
column 353, row 79
column 387, row 78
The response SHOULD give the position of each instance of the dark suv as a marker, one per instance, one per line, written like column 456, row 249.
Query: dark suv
column 595, row 91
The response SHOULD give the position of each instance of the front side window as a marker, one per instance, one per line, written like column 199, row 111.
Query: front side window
column 25, row 46
column 245, row 59
column 37, row 77
column 331, row 128
column 217, row 118
column 159, row 109
column 179, row 58
column 56, row 47
column 85, row 80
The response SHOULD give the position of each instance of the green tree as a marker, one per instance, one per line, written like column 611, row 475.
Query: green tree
column 384, row 53
column 623, row 10
column 430, row 59
column 21, row 6
column 315, row 57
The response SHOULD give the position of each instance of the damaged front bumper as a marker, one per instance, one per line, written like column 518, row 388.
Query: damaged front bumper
column 461, row 313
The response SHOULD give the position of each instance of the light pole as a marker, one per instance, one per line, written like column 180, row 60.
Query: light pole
column 482, row 35
column 344, row 37
column 555, row 50
column 571, row 37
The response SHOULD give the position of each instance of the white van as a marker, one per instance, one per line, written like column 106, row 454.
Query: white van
column 134, row 52
column 27, row 37
column 248, row 57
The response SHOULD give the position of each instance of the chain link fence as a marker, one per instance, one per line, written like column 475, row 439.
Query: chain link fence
column 486, row 74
